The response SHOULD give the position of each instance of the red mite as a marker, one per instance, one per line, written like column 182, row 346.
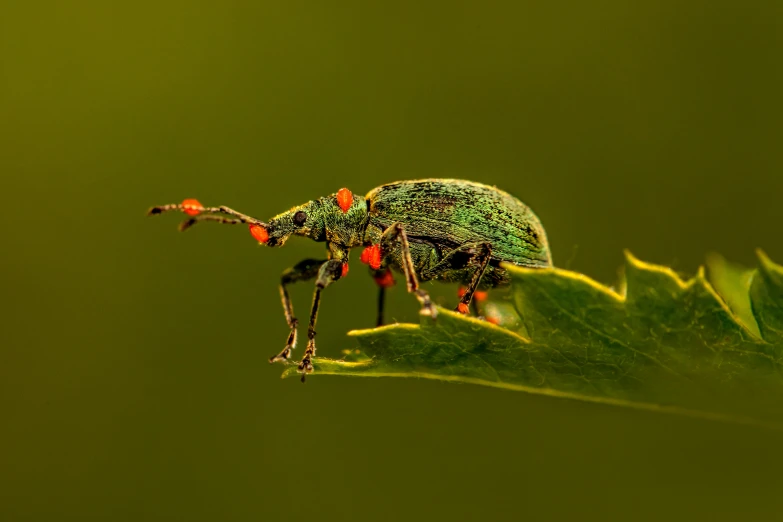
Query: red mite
column 372, row 256
column 478, row 295
column 192, row 207
column 385, row 280
column 259, row 232
column 344, row 199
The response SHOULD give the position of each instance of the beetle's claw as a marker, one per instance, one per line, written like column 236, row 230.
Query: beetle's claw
column 306, row 366
column 289, row 345
column 282, row 356
column 430, row 310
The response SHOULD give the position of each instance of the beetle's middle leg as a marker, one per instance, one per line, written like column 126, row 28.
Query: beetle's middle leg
column 396, row 232
column 384, row 279
column 302, row 271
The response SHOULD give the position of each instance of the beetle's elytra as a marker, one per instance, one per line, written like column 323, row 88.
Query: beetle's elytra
column 433, row 229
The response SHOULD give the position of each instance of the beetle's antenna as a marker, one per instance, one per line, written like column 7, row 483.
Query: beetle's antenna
column 201, row 213
column 208, row 217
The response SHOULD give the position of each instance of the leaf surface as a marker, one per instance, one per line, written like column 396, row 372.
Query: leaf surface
column 704, row 347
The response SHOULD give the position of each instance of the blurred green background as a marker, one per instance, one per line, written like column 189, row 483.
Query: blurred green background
column 133, row 359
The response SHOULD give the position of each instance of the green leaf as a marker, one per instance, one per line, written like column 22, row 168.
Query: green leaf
column 732, row 282
column 699, row 347
column 766, row 295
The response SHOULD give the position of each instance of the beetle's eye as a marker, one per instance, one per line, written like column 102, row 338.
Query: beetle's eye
column 300, row 218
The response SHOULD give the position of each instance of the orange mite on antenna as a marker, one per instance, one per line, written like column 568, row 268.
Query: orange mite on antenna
column 192, row 207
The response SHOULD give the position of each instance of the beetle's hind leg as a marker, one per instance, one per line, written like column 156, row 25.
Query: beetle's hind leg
column 481, row 259
column 475, row 254
column 393, row 234
column 475, row 304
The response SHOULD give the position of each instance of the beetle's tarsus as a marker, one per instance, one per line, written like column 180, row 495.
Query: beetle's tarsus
column 427, row 308
column 306, row 366
column 282, row 356
column 187, row 224
column 290, row 344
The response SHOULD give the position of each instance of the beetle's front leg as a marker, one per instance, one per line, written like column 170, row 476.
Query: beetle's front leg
column 302, row 271
column 328, row 273
column 391, row 235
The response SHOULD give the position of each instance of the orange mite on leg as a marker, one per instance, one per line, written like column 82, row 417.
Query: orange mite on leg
column 192, row 207
column 345, row 270
column 385, row 280
column 478, row 296
column 462, row 308
column 371, row 255
column 366, row 253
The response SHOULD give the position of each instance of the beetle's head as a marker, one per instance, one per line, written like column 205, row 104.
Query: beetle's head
column 338, row 218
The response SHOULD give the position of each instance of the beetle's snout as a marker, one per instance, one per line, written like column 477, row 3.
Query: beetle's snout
column 272, row 234
column 267, row 234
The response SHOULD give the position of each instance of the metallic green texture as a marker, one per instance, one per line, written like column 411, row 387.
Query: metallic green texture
column 446, row 221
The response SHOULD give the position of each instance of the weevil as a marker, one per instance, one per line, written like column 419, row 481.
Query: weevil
column 445, row 230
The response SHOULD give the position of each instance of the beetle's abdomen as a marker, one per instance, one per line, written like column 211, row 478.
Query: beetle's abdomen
column 450, row 213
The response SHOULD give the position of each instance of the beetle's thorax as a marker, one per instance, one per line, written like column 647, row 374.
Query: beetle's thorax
column 339, row 219
column 345, row 227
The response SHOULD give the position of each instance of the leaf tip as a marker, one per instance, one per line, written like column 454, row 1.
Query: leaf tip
column 630, row 258
column 768, row 268
column 763, row 258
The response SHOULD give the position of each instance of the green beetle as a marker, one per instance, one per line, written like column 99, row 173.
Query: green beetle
column 433, row 229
